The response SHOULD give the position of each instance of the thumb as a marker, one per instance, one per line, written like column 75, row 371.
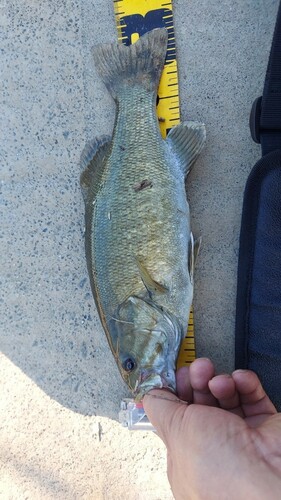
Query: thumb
column 165, row 412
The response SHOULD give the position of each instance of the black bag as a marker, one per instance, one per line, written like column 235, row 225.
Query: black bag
column 258, row 307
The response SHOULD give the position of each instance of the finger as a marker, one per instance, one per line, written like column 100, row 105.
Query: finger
column 164, row 410
column 184, row 389
column 224, row 390
column 253, row 398
column 201, row 371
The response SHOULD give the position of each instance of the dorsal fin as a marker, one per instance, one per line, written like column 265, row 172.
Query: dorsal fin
column 93, row 160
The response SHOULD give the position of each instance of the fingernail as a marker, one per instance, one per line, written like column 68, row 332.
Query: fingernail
column 225, row 375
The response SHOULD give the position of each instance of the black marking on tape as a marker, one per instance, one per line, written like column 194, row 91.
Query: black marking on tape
column 136, row 23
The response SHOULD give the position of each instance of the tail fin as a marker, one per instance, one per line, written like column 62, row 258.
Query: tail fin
column 139, row 64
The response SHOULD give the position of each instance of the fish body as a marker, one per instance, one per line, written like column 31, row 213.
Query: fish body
column 139, row 246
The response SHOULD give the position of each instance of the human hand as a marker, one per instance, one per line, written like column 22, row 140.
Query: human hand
column 224, row 444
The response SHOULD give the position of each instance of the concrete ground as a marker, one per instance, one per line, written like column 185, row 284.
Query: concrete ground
column 60, row 388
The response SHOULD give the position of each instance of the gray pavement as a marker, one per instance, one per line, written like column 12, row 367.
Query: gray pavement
column 56, row 368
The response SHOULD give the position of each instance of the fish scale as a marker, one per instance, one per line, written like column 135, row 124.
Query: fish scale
column 132, row 228
column 131, row 208
column 133, row 18
column 139, row 245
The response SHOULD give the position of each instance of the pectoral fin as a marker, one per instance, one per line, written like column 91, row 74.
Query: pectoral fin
column 150, row 284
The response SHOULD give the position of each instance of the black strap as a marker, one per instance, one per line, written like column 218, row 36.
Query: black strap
column 265, row 120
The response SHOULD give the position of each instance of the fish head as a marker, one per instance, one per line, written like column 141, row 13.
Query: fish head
column 147, row 344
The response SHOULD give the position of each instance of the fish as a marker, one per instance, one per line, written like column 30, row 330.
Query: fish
column 140, row 250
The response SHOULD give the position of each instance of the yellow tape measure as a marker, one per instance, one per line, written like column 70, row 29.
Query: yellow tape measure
column 133, row 19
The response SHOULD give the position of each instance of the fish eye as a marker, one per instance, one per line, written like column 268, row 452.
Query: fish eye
column 129, row 364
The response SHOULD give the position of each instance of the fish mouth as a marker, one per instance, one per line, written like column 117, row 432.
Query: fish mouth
column 151, row 380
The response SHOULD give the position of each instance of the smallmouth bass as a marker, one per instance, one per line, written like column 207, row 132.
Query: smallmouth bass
column 140, row 249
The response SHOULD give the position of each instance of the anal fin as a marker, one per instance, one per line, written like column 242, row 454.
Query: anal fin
column 186, row 141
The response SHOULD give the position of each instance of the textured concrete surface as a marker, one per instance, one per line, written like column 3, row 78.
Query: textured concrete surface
column 60, row 388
